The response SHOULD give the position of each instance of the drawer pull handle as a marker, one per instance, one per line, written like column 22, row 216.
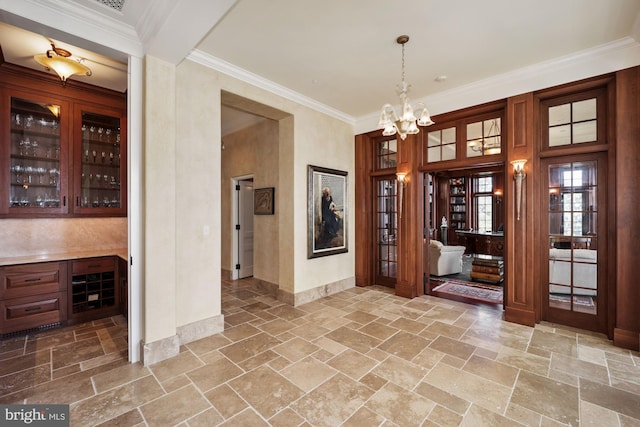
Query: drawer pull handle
column 33, row 309
column 37, row 279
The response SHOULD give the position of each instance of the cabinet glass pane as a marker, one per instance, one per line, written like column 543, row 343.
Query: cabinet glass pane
column 35, row 154
column 100, row 161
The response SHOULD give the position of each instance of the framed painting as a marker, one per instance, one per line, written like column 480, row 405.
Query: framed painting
column 327, row 211
column 263, row 203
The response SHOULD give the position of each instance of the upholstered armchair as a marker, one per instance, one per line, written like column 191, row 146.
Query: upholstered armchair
column 444, row 259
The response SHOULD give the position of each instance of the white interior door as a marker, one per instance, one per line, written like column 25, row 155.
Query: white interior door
column 245, row 231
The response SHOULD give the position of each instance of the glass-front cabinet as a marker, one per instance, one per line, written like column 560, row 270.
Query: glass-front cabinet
column 61, row 157
column 101, row 157
column 37, row 166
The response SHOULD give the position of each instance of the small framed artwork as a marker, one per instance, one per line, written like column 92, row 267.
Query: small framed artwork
column 263, row 199
column 327, row 212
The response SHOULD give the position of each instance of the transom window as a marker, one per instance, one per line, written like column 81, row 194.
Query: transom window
column 573, row 123
column 387, row 154
column 574, row 119
column 483, row 138
column 441, row 145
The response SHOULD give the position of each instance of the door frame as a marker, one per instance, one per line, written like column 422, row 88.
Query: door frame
column 601, row 321
column 235, row 214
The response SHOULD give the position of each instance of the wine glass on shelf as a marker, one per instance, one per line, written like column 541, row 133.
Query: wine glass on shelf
column 18, row 170
column 29, row 171
column 34, row 148
column 41, row 173
column 53, row 176
column 24, row 147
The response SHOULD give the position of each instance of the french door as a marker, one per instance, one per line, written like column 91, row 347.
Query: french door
column 574, row 232
column 385, row 229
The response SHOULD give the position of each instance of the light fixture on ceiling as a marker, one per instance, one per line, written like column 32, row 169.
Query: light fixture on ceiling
column 406, row 124
column 58, row 60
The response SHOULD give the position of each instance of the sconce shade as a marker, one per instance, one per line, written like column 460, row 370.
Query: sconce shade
column 518, row 166
column 58, row 60
column 401, row 177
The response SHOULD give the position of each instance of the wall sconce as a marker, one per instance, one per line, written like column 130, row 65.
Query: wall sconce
column 402, row 182
column 518, row 176
column 498, row 194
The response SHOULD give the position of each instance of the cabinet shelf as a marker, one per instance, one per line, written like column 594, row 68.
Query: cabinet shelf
column 457, row 203
column 35, row 159
column 93, row 287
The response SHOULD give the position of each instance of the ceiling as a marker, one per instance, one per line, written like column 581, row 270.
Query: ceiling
column 339, row 56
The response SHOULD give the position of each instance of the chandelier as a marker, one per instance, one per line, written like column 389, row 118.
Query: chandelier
column 58, row 60
column 406, row 124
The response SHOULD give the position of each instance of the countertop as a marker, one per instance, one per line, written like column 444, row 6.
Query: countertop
column 63, row 256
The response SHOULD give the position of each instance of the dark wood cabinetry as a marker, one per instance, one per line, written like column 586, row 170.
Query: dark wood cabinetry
column 94, row 292
column 49, row 293
column 63, row 149
column 32, row 295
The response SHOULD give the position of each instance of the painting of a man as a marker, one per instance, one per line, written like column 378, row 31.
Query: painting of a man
column 327, row 192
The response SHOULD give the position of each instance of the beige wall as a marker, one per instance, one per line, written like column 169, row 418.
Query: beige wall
column 252, row 151
column 197, row 161
column 183, row 193
column 159, row 199
column 28, row 237
column 328, row 143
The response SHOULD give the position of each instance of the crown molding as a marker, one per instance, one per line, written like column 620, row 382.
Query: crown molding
column 62, row 18
column 607, row 58
column 243, row 75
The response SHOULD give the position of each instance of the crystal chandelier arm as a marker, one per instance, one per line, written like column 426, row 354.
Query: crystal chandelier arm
column 387, row 119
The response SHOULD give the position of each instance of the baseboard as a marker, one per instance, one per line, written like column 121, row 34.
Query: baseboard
column 160, row 350
column 520, row 316
column 313, row 294
column 264, row 286
column 626, row 339
column 169, row 347
column 200, row 329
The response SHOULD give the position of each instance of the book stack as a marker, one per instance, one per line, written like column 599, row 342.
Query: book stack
column 490, row 269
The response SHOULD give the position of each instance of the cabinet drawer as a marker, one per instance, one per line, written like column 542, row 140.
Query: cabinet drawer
column 32, row 311
column 32, row 279
column 94, row 265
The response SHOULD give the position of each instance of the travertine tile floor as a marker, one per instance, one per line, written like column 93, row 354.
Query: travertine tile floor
column 363, row 357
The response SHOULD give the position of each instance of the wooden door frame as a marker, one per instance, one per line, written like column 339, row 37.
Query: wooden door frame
column 600, row 322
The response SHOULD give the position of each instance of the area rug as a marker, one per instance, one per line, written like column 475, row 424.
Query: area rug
column 469, row 291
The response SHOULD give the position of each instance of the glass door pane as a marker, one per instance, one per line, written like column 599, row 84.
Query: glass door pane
column 573, row 237
column 386, row 228
column 35, row 153
column 101, row 156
